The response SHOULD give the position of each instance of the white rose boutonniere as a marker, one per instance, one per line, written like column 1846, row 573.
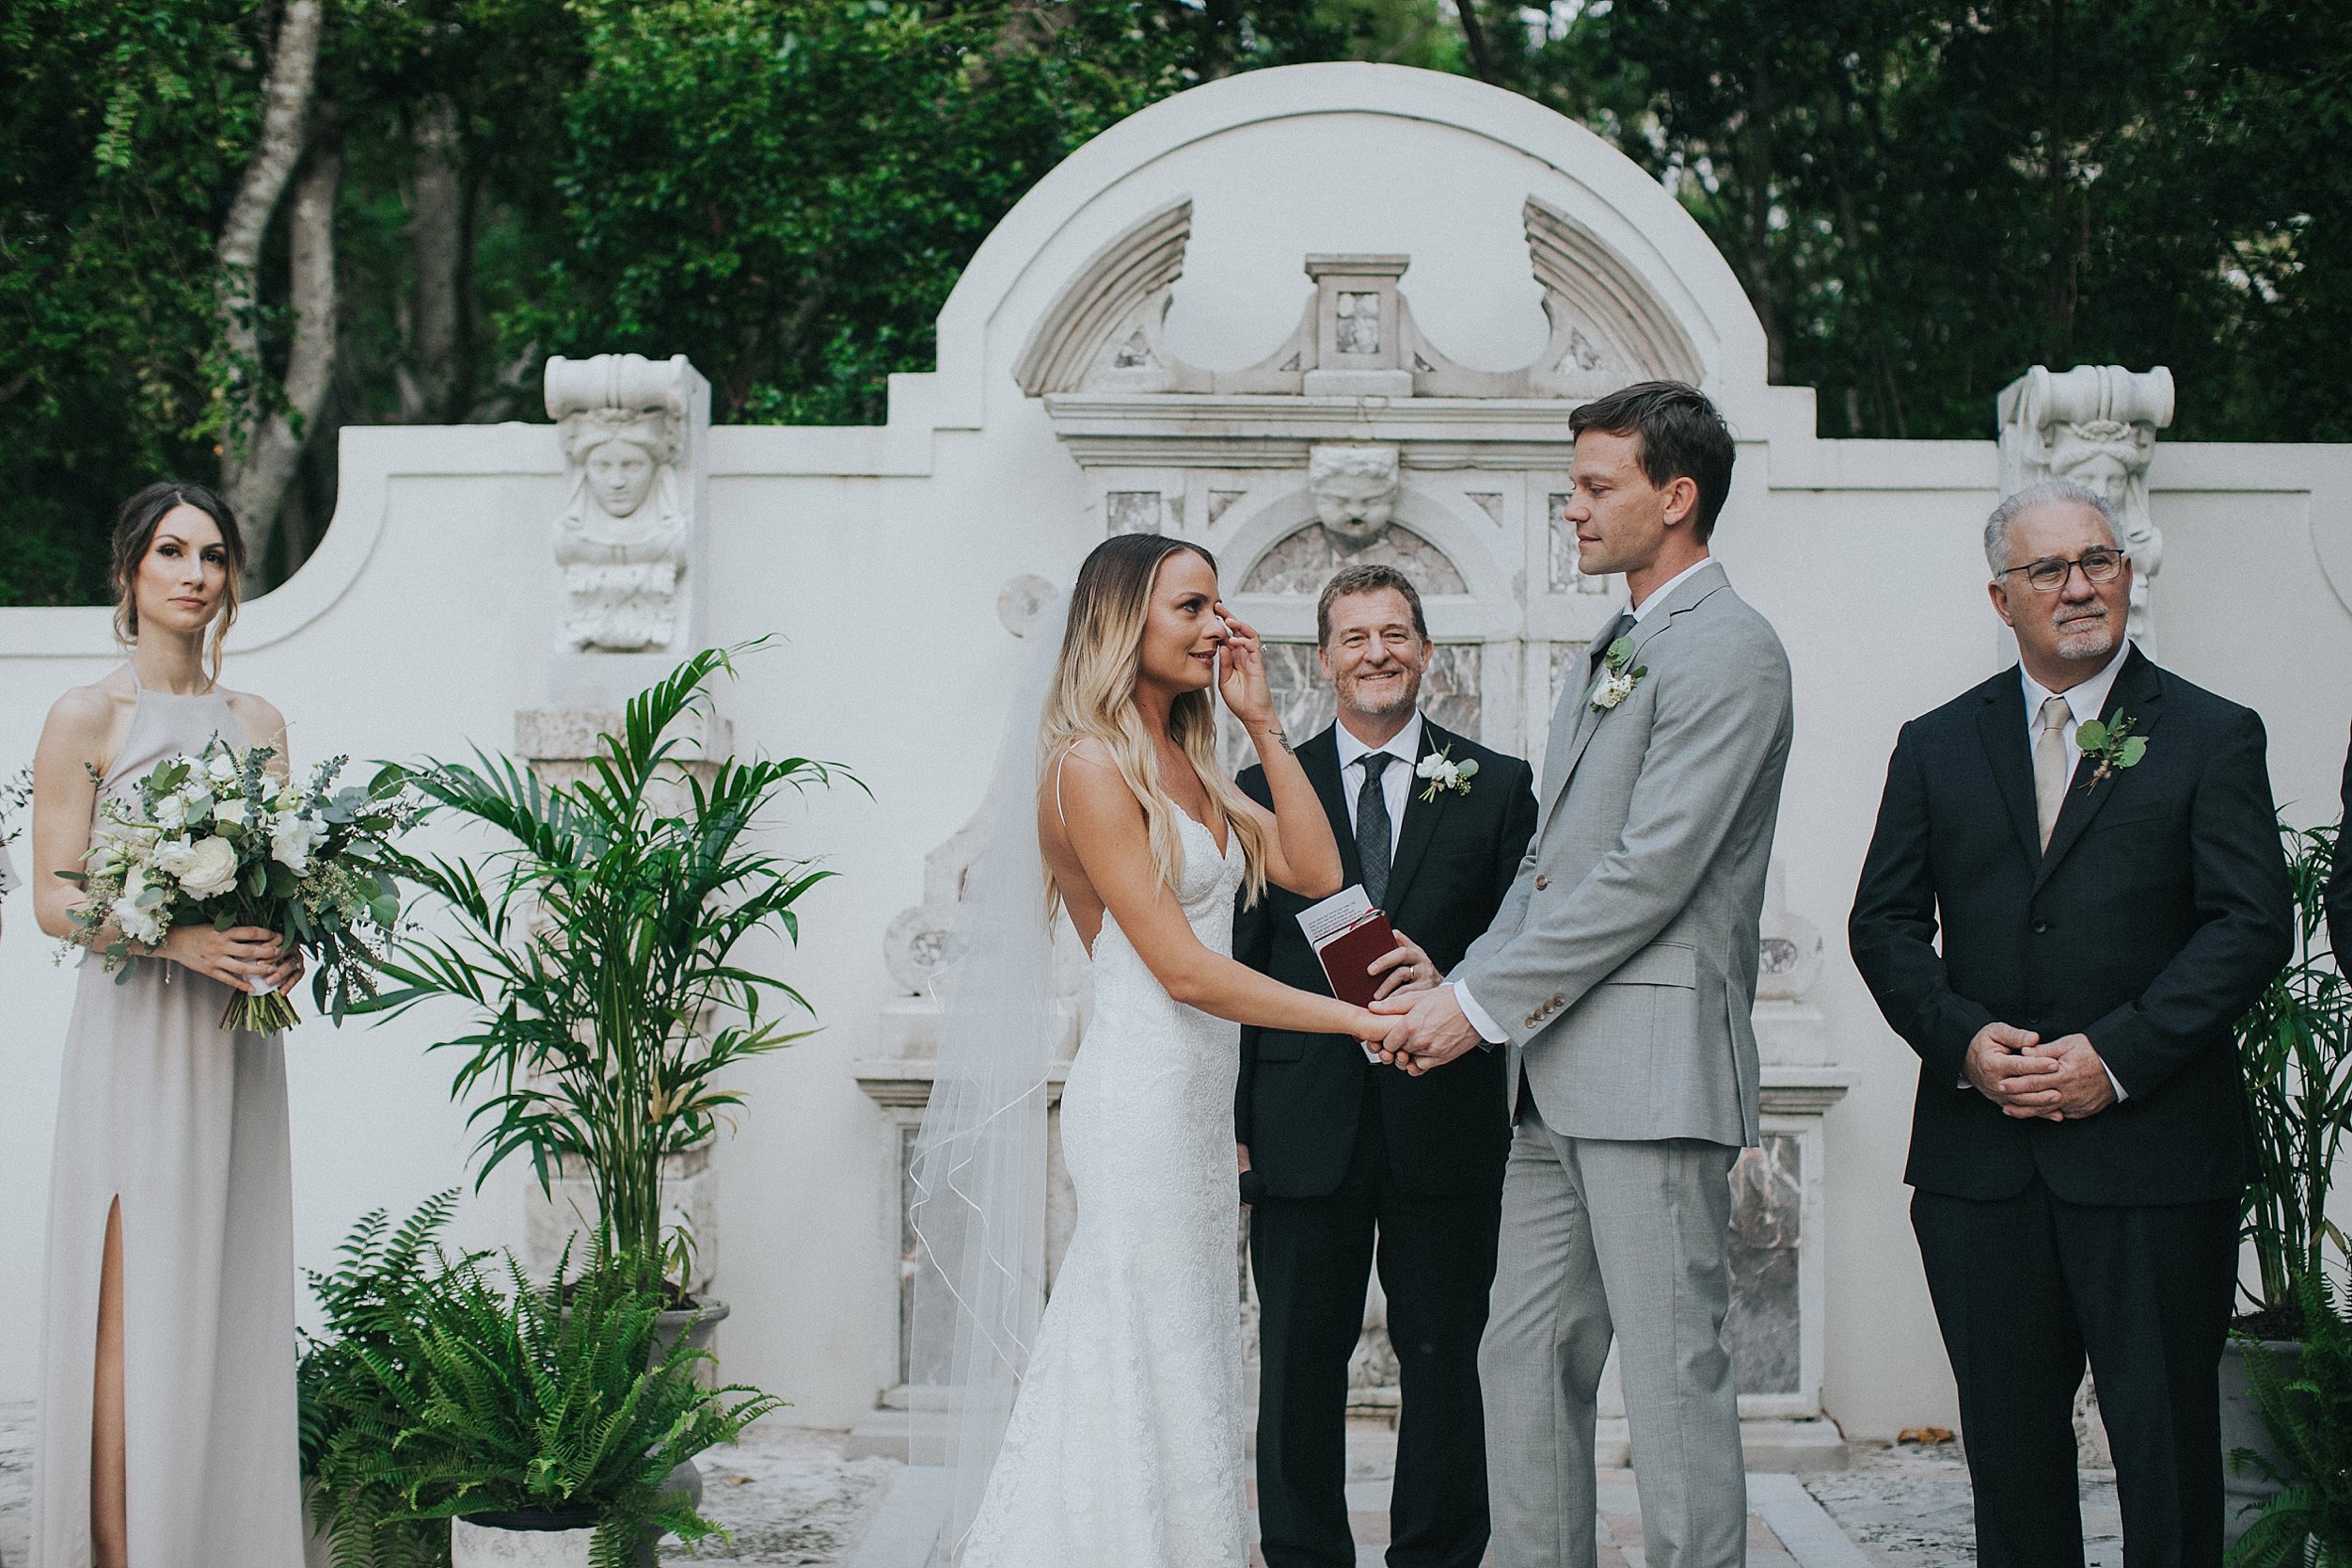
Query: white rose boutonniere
column 1616, row 675
column 1442, row 772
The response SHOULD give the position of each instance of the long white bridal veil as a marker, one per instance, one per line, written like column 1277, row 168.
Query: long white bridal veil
column 977, row 1210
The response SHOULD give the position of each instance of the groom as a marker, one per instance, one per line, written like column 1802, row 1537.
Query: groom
column 1339, row 1150
column 1618, row 979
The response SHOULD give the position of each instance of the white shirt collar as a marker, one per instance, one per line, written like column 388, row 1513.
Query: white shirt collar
column 2086, row 700
column 1404, row 744
column 1658, row 595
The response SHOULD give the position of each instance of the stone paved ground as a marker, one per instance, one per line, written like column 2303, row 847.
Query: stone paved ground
column 790, row 1498
column 1909, row 1508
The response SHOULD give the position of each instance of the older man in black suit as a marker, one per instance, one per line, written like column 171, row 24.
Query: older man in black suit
column 2109, row 898
column 1345, row 1159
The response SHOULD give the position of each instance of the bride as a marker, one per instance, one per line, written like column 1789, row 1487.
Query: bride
column 1121, row 1446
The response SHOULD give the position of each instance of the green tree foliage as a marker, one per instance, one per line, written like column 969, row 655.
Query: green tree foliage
column 1922, row 197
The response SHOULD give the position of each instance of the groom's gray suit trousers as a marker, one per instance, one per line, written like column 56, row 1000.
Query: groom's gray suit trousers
column 1624, row 1237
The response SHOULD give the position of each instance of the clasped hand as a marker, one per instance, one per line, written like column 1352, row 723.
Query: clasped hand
column 249, row 958
column 2060, row 1079
column 1429, row 1029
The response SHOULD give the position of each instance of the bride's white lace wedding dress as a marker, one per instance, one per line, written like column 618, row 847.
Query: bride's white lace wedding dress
column 1125, row 1445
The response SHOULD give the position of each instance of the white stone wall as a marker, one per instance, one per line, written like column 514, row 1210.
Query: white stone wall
column 875, row 557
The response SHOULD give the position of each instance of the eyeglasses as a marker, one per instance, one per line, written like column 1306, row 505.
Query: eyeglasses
column 2049, row 573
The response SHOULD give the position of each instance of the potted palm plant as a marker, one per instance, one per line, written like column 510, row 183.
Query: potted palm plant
column 2296, row 1053
column 601, row 951
column 541, row 1420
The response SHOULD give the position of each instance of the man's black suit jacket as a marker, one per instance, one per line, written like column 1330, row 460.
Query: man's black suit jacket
column 2158, row 913
column 1447, row 1132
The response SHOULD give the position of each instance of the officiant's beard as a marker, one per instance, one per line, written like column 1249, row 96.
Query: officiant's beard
column 1384, row 699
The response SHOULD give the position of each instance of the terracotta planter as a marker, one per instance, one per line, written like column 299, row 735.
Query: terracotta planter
column 521, row 1541
column 2243, row 1427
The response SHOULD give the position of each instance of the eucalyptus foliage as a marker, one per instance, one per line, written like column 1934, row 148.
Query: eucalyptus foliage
column 609, row 951
column 2308, row 1410
column 2296, row 1044
column 447, row 1385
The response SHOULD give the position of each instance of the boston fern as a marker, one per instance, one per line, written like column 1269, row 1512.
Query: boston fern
column 446, row 1387
column 602, row 950
column 2309, row 1412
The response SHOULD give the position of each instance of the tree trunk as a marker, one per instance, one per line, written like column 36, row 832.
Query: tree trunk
column 258, row 482
column 1758, row 175
column 246, row 463
column 2064, row 274
column 436, row 233
column 1474, row 38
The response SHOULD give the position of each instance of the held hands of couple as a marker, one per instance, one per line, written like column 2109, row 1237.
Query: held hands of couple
column 2060, row 1079
column 249, row 957
column 1430, row 1028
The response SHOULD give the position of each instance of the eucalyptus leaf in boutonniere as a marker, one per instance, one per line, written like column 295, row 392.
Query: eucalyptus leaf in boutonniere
column 1616, row 680
column 2111, row 746
column 1443, row 772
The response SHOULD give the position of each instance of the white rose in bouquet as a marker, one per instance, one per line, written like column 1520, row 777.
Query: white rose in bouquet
column 171, row 813
column 174, row 857
column 211, row 868
column 292, row 839
column 135, row 922
column 223, row 768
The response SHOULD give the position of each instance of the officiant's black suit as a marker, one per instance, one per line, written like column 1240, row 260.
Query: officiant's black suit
column 1340, row 1148
column 2159, row 912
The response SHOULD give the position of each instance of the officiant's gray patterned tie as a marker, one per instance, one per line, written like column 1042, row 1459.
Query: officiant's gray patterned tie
column 1372, row 826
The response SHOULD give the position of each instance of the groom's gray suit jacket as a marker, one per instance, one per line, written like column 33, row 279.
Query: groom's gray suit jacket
column 1623, row 963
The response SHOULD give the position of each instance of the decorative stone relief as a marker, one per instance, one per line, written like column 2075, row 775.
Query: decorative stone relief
column 1788, row 955
column 1488, row 501
column 1103, row 332
column 2096, row 425
column 1022, row 607
column 1220, row 502
column 631, row 430
column 1355, row 489
column 1767, row 1208
column 1304, row 562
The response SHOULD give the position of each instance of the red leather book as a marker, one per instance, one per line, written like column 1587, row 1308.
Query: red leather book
column 1347, row 934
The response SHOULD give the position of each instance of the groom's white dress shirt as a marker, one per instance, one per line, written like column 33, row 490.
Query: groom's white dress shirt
column 1478, row 1017
column 1396, row 783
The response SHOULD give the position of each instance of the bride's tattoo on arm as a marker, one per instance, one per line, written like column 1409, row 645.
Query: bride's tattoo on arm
column 1274, row 733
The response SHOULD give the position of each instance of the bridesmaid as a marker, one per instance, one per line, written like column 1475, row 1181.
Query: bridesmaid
column 168, row 1431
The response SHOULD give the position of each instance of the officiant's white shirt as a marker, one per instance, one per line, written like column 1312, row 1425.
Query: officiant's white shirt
column 1396, row 783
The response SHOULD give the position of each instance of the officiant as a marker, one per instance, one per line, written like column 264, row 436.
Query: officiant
column 1347, row 1163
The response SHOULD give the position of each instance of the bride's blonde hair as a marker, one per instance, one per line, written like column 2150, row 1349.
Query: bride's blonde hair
column 1093, row 694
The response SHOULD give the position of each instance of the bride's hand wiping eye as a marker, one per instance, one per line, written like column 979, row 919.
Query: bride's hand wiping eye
column 1240, row 671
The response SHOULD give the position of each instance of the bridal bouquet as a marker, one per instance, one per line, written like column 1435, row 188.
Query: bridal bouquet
column 213, row 839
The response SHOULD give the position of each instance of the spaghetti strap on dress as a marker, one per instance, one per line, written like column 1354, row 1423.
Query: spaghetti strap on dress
column 186, row 1126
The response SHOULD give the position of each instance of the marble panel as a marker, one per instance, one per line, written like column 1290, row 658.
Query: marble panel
column 1563, row 576
column 1768, row 1198
column 1134, row 510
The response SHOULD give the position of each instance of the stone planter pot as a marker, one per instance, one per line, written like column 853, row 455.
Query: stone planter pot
column 2242, row 1427
column 700, row 1324
column 534, row 1540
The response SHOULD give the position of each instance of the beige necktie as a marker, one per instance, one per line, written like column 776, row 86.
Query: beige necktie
column 2049, row 763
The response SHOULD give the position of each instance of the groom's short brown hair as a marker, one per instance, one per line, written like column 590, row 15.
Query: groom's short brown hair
column 1683, row 436
column 1366, row 579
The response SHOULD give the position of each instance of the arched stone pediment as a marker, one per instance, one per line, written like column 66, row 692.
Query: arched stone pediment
column 1104, row 332
column 1303, row 560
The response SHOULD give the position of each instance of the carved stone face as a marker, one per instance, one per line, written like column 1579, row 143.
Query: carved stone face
column 621, row 475
column 1355, row 506
column 2104, row 471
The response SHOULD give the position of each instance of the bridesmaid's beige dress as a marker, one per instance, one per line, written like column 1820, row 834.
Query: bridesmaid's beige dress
column 185, row 1125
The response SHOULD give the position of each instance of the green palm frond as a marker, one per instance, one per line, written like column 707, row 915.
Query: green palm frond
column 599, row 948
